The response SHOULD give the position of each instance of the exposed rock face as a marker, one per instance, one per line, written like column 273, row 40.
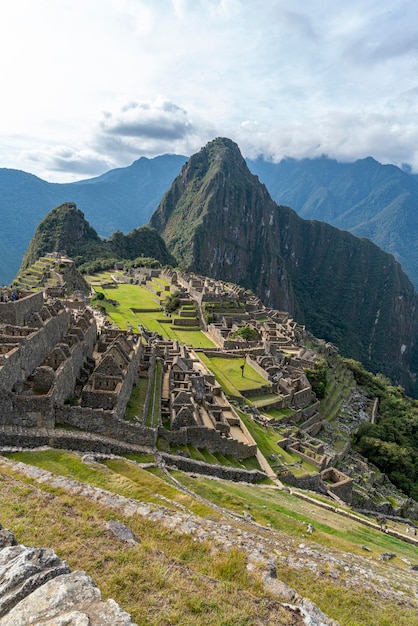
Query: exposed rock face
column 37, row 588
column 219, row 220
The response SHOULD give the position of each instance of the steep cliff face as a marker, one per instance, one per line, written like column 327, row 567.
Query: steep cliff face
column 216, row 220
column 219, row 220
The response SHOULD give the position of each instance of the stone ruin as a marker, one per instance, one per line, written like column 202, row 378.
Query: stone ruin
column 57, row 369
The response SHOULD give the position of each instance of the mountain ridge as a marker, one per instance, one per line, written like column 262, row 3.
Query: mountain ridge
column 220, row 221
column 365, row 197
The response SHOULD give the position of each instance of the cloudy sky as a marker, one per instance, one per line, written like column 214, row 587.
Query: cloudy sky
column 89, row 85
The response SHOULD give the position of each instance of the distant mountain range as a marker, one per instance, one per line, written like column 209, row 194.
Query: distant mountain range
column 368, row 199
column 218, row 220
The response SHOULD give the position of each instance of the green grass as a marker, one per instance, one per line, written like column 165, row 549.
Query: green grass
column 266, row 439
column 278, row 413
column 285, row 512
column 118, row 476
column 264, row 400
column 135, row 406
column 139, row 297
column 228, row 374
column 202, row 454
column 154, row 406
column 169, row 578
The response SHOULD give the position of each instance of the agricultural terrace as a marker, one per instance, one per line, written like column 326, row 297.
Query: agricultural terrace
column 123, row 303
column 267, row 439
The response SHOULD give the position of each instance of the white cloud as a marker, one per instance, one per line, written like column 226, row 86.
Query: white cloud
column 314, row 77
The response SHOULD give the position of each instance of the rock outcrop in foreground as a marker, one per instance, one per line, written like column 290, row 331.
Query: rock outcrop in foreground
column 37, row 588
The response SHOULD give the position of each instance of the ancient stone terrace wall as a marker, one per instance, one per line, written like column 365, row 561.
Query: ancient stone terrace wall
column 202, row 437
column 220, row 471
column 106, row 424
column 20, row 311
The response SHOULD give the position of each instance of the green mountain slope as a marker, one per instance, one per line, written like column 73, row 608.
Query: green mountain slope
column 367, row 198
column 65, row 229
column 218, row 220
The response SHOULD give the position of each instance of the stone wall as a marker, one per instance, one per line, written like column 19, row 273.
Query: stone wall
column 342, row 485
column 105, row 423
column 257, row 367
column 19, row 311
column 313, row 482
column 220, row 471
column 20, row 363
column 310, row 410
column 303, row 397
column 259, row 391
column 202, row 437
column 26, row 411
column 295, row 449
column 69, row 370
column 184, row 321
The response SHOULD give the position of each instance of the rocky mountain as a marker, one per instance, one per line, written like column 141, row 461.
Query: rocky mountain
column 366, row 198
column 219, row 220
column 120, row 199
column 65, row 229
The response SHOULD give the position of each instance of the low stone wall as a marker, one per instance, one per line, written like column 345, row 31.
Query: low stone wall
column 66, row 440
column 306, row 457
column 105, row 423
column 202, row 437
column 259, row 391
column 313, row 482
column 184, row 321
column 220, row 471
column 257, row 368
column 307, row 424
column 311, row 409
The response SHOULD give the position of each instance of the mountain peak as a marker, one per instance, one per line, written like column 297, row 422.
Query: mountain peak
column 218, row 220
column 62, row 229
